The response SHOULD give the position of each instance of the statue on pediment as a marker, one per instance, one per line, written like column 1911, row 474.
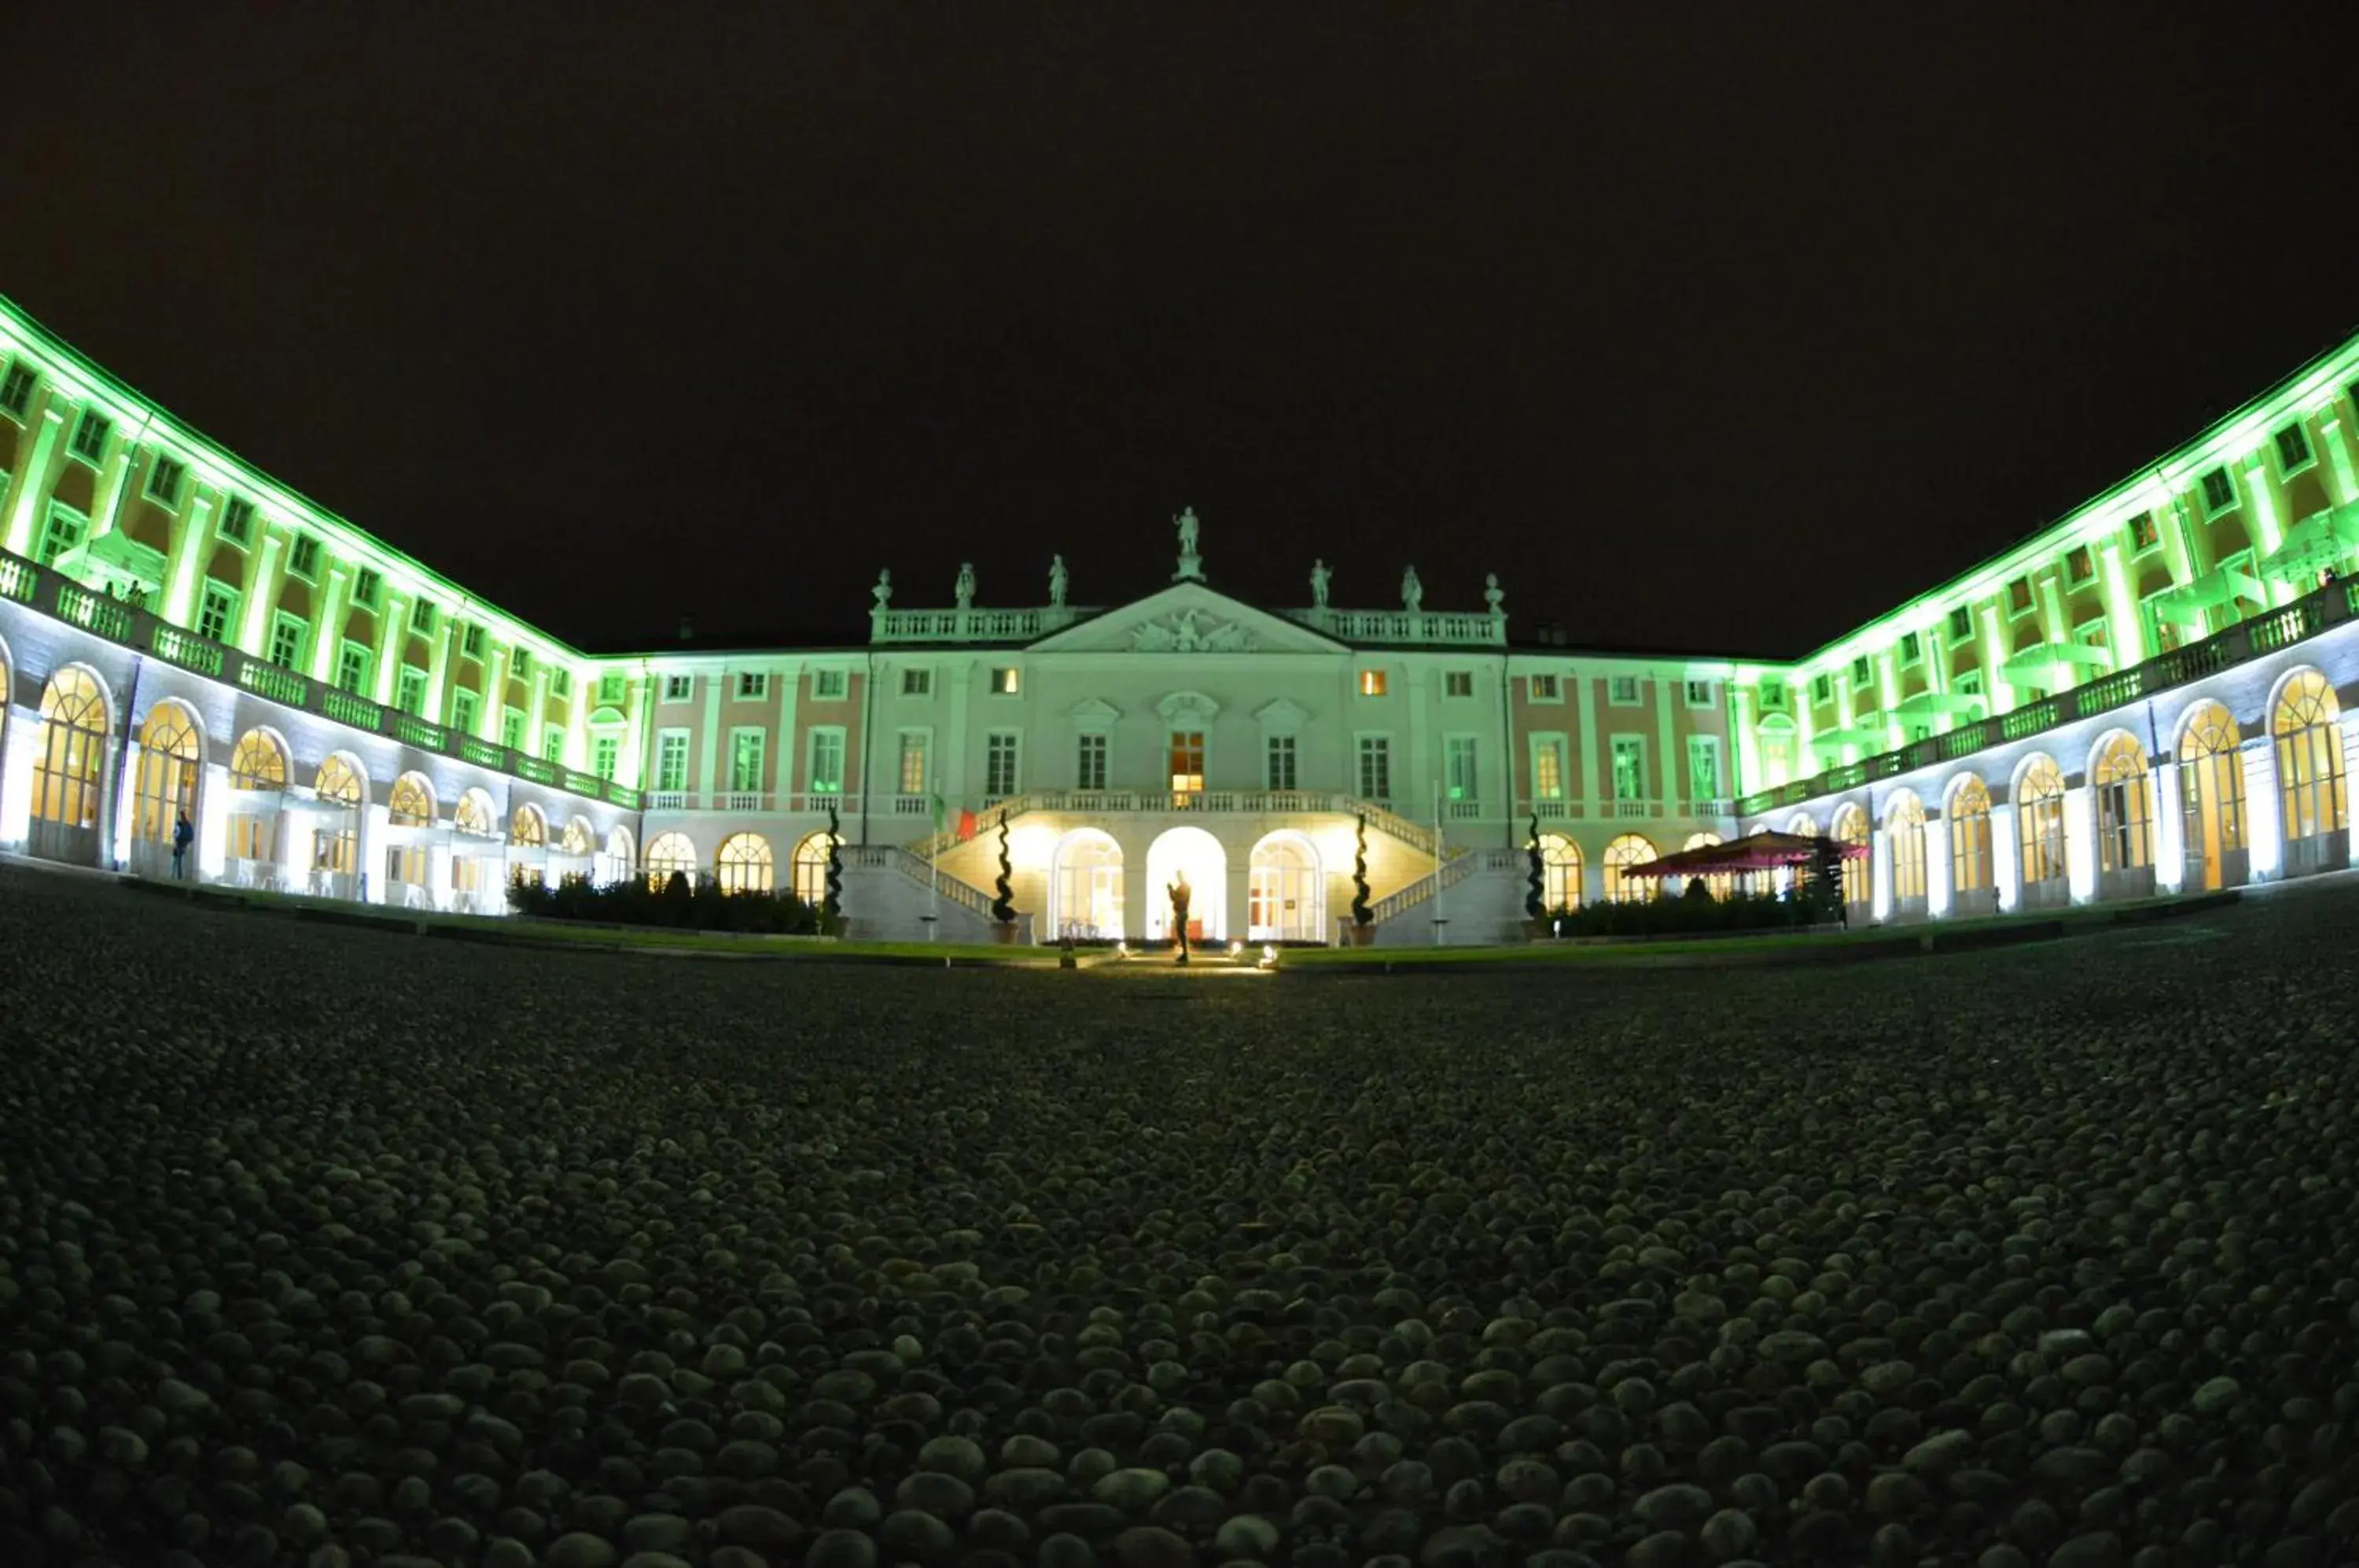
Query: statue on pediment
column 1192, row 565
column 1057, row 582
column 1412, row 592
column 1492, row 596
column 966, row 585
column 1319, row 574
column 882, row 591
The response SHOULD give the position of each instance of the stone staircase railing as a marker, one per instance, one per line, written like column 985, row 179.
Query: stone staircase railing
column 1461, row 863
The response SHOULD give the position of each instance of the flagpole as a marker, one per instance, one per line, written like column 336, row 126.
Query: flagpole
column 934, row 882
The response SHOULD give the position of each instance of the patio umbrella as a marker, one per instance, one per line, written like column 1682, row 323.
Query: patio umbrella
column 1755, row 851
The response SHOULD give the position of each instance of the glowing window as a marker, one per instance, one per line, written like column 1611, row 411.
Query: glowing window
column 1560, row 873
column 1372, row 682
column 2117, row 778
column 2310, row 782
column 2039, row 822
column 669, row 853
column 1629, row 850
column 411, row 803
column 528, row 828
column 1904, row 830
column 1970, row 838
column 744, row 864
column 1850, row 828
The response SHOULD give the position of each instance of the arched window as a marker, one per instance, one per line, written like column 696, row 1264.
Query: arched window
column 1560, row 873
column 809, row 869
column 473, row 815
column 744, row 864
column 667, row 853
column 335, row 847
column 1798, row 877
column 614, row 864
column 527, row 829
column 1621, row 887
column 2039, row 822
column 412, row 804
column 1858, row 879
column 258, row 767
column 72, row 751
column 580, row 841
column 171, row 760
column 1720, row 883
column 259, row 762
column 1970, row 838
column 2117, row 777
column 2211, row 791
column 2310, row 757
column 1904, row 831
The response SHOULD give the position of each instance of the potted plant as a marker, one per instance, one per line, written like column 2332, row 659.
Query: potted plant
column 1003, row 901
column 1363, row 928
column 1536, row 923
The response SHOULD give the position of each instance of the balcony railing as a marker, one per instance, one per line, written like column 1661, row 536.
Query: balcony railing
column 2269, row 632
column 54, row 594
column 1455, row 628
column 1243, row 803
column 971, row 625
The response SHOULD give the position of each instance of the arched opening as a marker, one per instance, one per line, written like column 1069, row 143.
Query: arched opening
column 1777, row 749
column 257, row 781
column 2117, row 778
column 1197, row 854
column 527, row 829
column 165, row 786
column 579, row 842
column 1285, row 890
column 2312, row 792
column 1719, row 884
column 744, row 864
column 1904, row 836
column 2211, row 800
column 1085, row 887
column 1798, row 877
column 1621, row 887
column 808, row 869
column 411, row 811
column 615, row 864
column 2039, row 835
column 1560, row 874
column 475, row 852
column 342, row 794
column 68, row 767
column 1858, row 875
column 1973, row 877
column 669, row 853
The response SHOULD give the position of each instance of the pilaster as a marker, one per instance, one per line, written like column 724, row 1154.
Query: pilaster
column 392, row 637
column 328, row 640
column 2005, row 872
column 261, row 591
column 188, row 543
column 32, row 479
column 2169, row 829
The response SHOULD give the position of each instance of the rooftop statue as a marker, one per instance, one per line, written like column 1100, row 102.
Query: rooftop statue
column 1491, row 593
column 884, row 589
column 1319, row 577
column 1190, row 563
column 1057, row 582
column 1412, row 592
column 966, row 585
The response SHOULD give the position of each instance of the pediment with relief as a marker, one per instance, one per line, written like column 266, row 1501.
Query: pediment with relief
column 1280, row 717
column 1183, row 619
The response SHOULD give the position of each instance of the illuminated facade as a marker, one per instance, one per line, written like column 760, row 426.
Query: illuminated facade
column 2147, row 697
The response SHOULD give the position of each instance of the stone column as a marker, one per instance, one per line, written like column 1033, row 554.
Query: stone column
column 2080, row 842
column 261, row 594
column 1880, row 873
column 179, row 606
column 327, row 643
column 2169, row 830
column 1239, row 891
column 1939, row 893
column 1135, row 893
column 30, row 482
column 2005, row 874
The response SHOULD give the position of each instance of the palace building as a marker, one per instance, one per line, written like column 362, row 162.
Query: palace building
column 2145, row 698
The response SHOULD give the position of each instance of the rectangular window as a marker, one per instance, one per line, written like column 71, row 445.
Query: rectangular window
column 1629, row 767
column 215, row 611
column 1961, row 623
column 287, row 641
column 2293, row 448
column 999, row 764
column 16, row 389
column 1543, row 687
column 1970, row 684
column 829, row 685
column 2078, row 567
column 1277, row 769
column 754, row 684
column 409, row 689
column 1703, row 767
column 466, row 710
column 471, row 642
column 369, row 588
column 1548, row 769
column 1376, row 767
column 1005, row 681
column 552, row 743
column 2018, row 596
column 89, row 435
column 745, row 761
column 671, row 761
column 164, row 476
column 1912, row 651
column 511, row 728
column 917, row 683
column 605, row 756
column 1458, row 683
column 421, row 616
column 913, row 762
column 2162, row 631
column 352, row 668
column 1622, row 691
column 2144, row 533
column 1859, row 673
column 1458, row 779
column 612, row 689
column 303, row 557
column 236, row 521
column 1823, row 690
column 1772, row 698
column 561, row 683
column 1090, row 762
column 1187, row 762
column 520, row 664
column 2218, row 491
column 1372, row 682
column 1699, row 693
column 677, row 688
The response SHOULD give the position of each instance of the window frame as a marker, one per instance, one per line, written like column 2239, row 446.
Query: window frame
column 992, row 751
column 664, row 783
column 2288, row 467
column 1557, row 748
column 1688, row 689
column 1615, row 752
column 1469, row 747
column 816, row 739
column 1376, row 745
column 2227, row 477
column 347, row 651
column 1913, row 649
column 235, row 525
column 2079, row 565
column 303, row 557
column 369, row 588
column 177, row 472
column 403, row 684
column 739, row 754
column 1615, row 685
column 916, row 680
column 1090, row 760
column 679, row 689
column 1961, row 623
column 1276, row 749
column 923, row 751
column 1706, row 746
column 1457, row 685
column 1543, row 686
column 830, row 683
column 87, row 448
column 754, row 686
column 2031, row 597
column 1006, row 680
column 2154, row 529
column 279, row 621
column 214, row 591
column 16, row 385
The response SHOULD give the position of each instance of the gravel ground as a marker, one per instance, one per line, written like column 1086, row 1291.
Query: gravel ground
column 318, row 1245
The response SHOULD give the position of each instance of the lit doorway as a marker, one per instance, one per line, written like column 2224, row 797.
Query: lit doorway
column 1286, row 892
column 1200, row 854
column 1085, row 887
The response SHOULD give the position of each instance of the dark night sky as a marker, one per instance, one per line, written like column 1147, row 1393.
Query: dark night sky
column 1703, row 326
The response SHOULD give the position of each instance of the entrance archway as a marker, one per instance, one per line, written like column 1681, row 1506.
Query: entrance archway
column 171, row 754
column 1200, row 854
column 1085, row 887
column 1285, row 890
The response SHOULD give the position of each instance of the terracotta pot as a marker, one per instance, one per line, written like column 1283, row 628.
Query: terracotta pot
column 1362, row 935
column 1004, row 933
